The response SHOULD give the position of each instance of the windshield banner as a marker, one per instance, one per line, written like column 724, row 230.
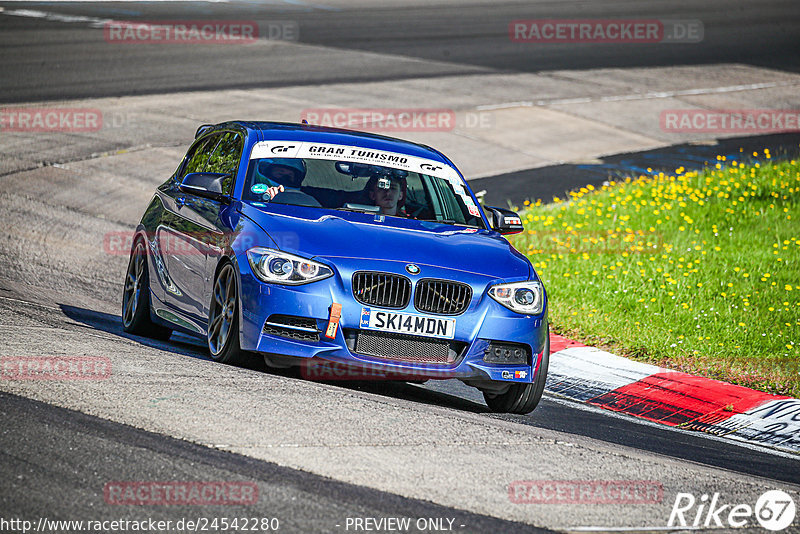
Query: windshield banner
column 355, row 154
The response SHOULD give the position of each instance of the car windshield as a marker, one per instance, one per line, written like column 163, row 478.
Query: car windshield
column 350, row 186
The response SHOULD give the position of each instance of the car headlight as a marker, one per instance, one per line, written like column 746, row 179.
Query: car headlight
column 520, row 297
column 278, row 267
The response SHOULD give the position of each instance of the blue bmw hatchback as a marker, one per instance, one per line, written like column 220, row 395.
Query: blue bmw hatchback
column 313, row 246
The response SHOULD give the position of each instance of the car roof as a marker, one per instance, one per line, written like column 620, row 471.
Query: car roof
column 306, row 132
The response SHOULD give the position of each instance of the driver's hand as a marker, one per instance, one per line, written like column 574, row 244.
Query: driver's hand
column 270, row 193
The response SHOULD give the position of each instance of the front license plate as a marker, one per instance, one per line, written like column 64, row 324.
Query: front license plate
column 406, row 323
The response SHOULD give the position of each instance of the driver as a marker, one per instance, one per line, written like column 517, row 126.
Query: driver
column 281, row 174
column 388, row 192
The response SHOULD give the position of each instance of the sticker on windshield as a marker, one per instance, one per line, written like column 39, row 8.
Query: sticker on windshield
column 275, row 149
column 370, row 156
column 259, row 188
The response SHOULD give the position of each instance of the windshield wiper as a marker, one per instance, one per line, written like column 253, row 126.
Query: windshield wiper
column 361, row 208
column 443, row 221
column 452, row 222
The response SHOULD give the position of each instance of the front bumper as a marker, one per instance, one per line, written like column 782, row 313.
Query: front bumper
column 485, row 321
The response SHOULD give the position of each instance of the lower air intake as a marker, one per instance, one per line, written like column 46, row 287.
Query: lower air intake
column 405, row 348
column 300, row 328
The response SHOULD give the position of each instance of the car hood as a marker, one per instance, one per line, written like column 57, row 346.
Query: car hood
column 314, row 232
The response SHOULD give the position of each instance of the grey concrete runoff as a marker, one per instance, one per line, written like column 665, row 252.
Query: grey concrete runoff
column 503, row 123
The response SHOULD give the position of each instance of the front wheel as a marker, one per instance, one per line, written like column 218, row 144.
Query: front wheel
column 522, row 398
column 136, row 298
column 223, row 319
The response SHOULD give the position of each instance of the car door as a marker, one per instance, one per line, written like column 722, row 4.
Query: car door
column 191, row 232
column 225, row 159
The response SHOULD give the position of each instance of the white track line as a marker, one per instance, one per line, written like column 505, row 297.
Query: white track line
column 566, row 401
column 93, row 22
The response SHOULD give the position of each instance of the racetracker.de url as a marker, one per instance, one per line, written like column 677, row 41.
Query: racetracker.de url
column 193, row 524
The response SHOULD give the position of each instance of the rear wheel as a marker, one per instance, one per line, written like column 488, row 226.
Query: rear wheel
column 522, row 398
column 136, row 298
column 223, row 319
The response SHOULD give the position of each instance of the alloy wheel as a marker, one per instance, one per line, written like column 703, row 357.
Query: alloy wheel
column 222, row 310
column 133, row 284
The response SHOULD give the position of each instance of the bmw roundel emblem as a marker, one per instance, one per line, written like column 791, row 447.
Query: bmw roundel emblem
column 412, row 269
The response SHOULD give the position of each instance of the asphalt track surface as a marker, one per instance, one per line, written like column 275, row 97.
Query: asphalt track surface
column 88, row 452
column 58, row 296
column 552, row 414
column 46, row 59
column 57, row 460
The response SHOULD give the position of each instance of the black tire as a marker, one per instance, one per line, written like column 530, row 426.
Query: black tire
column 223, row 319
column 136, row 298
column 522, row 398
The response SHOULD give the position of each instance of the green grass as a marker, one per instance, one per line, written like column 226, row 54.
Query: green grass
column 698, row 272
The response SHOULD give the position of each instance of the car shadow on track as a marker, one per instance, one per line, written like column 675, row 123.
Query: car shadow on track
column 186, row 345
column 112, row 324
column 415, row 393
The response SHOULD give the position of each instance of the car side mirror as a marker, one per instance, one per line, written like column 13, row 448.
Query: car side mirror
column 205, row 184
column 504, row 221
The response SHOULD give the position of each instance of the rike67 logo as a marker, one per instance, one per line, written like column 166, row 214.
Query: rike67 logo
column 774, row 510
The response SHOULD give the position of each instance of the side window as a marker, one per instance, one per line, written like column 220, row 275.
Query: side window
column 418, row 203
column 453, row 209
column 443, row 200
column 415, row 193
column 437, row 210
column 198, row 155
column 225, row 158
